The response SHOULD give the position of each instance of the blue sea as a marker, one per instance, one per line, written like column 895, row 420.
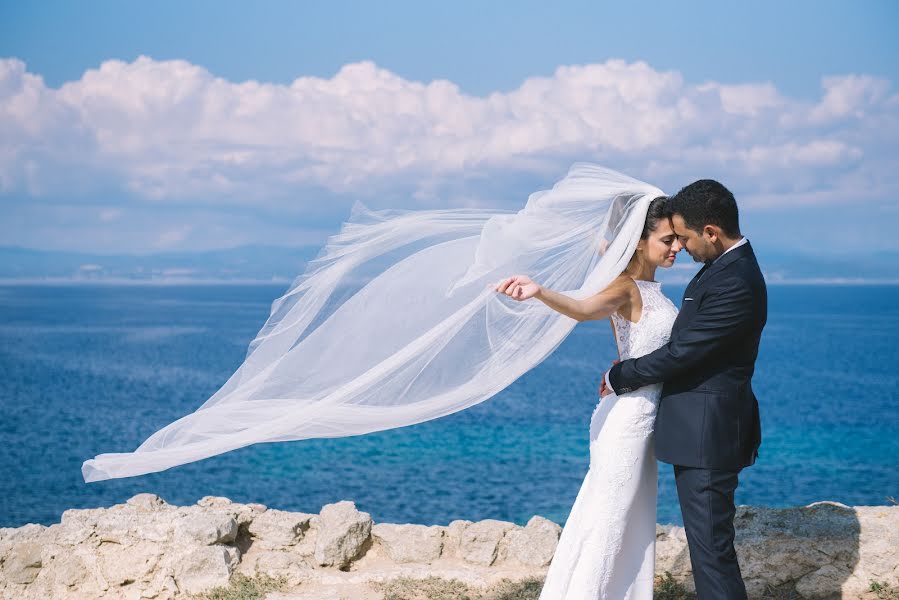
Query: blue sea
column 88, row 369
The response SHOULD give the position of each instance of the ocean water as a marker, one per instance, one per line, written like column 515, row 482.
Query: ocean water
column 88, row 369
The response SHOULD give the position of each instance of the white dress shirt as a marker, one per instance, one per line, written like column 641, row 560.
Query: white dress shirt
column 737, row 245
column 742, row 241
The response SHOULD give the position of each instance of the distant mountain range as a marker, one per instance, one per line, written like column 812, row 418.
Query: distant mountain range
column 243, row 263
column 278, row 264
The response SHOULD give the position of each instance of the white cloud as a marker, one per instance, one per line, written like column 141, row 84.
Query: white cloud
column 850, row 96
column 746, row 99
column 171, row 131
column 792, row 155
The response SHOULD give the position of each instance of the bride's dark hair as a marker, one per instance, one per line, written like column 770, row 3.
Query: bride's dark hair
column 655, row 213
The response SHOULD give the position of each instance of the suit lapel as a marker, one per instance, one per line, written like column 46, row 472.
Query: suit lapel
column 730, row 257
column 695, row 279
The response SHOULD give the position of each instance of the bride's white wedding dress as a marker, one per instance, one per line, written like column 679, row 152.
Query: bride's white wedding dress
column 607, row 548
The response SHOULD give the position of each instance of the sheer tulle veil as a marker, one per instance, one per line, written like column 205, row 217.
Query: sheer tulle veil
column 397, row 321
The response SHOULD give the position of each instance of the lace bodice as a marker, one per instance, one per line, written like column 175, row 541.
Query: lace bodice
column 654, row 327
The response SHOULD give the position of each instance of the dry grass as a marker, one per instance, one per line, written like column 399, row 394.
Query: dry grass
column 436, row 588
column 242, row 587
column 786, row 591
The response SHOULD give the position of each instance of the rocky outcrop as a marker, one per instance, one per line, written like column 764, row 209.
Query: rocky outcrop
column 822, row 550
column 147, row 548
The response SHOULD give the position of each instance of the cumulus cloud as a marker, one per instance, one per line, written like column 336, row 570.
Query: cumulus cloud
column 172, row 131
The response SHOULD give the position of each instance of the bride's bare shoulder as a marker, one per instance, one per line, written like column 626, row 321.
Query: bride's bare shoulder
column 623, row 283
column 624, row 290
column 614, row 297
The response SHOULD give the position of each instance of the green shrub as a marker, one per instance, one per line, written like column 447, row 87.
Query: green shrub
column 666, row 588
column 884, row 591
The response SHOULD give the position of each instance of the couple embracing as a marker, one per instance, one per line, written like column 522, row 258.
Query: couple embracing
column 681, row 393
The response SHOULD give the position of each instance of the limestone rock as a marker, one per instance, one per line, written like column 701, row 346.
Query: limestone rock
column 452, row 537
column 672, row 555
column 409, row 542
column 535, row 544
column 822, row 550
column 205, row 567
column 479, row 541
column 207, row 527
column 146, row 548
column 277, row 563
column 147, row 502
column 278, row 528
column 125, row 564
column 214, row 501
column 23, row 562
column 77, row 526
column 342, row 533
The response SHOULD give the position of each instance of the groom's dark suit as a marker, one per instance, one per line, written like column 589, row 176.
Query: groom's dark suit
column 707, row 424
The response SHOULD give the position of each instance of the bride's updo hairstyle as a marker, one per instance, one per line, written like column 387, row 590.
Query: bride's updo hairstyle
column 655, row 213
column 619, row 211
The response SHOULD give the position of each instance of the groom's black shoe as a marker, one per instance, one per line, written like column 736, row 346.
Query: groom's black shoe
column 707, row 504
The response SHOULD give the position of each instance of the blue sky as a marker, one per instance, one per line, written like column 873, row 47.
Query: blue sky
column 130, row 127
column 481, row 46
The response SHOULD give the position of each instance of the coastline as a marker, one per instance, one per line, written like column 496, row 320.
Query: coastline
column 147, row 548
column 284, row 281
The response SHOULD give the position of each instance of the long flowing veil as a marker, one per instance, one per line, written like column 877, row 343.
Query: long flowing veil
column 397, row 321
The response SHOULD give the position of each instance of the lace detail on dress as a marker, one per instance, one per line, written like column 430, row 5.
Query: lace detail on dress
column 653, row 329
column 607, row 547
column 651, row 332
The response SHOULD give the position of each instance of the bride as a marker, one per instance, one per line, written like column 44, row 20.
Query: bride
column 607, row 548
column 398, row 321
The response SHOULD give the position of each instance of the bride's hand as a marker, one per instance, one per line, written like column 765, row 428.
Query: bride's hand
column 518, row 287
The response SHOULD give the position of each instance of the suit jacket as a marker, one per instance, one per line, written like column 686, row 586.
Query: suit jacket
column 708, row 415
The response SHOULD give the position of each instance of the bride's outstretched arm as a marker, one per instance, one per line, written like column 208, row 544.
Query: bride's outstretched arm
column 598, row 306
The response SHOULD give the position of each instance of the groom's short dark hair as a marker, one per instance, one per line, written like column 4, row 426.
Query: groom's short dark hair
column 706, row 202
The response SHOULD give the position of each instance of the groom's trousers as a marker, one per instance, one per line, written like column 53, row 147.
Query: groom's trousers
column 707, row 504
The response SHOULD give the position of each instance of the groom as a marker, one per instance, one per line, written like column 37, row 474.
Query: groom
column 707, row 424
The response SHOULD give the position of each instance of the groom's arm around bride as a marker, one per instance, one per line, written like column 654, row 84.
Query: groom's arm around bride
column 707, row 424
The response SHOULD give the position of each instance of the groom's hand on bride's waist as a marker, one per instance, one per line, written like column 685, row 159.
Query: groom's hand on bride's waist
column 605, row 388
